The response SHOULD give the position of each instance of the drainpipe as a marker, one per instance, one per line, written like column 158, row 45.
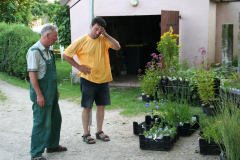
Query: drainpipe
column 91, row 15
column 91, row 11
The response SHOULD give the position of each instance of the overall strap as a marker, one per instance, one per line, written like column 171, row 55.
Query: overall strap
column 36, row 48
column 51, row 52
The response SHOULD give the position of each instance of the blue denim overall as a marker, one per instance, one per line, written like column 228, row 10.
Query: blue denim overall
column 46, row 120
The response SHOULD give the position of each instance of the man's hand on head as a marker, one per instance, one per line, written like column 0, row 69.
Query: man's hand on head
column 103, row 31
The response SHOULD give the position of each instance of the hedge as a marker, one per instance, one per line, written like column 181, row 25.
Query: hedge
column 12, row 38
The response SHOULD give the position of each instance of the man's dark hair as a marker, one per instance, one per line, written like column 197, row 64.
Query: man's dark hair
column 99, row 21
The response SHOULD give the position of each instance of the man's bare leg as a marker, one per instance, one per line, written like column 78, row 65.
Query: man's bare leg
column 85, row 121
column 100, row 118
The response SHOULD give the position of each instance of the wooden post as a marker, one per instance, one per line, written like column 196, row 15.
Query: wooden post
column 227, row 45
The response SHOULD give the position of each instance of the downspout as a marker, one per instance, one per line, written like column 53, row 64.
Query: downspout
column 91, row 15
column 91, row 11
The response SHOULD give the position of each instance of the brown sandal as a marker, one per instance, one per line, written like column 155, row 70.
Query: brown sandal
column 103, row 138
column 88, row 140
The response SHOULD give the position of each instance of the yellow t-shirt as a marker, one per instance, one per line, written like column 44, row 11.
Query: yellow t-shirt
column 92, row 53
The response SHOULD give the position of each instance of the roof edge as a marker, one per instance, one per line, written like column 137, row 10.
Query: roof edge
column 63, row 2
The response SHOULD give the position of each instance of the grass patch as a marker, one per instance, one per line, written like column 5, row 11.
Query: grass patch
column 121, row 98
column 14, row 80
column 126, row 99
column 2, row 96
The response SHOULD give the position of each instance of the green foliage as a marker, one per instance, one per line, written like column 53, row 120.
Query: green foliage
column 157, row 132
column 172, row 112
column 235, row 61
column 39, row 8
column 42, row 9
column 61, row 18
column 12, row 38
column 228, row 125
column 205, row 85
column 204, row 78
column 210, row 130
column 16, row 11
column 232, row 83
column 168, row 47
column 150, row 80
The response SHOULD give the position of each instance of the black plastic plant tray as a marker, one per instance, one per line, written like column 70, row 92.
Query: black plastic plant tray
column 139, row 128
column 147, row 124
column 186, row 129
column 208, row 148
column 164, row 144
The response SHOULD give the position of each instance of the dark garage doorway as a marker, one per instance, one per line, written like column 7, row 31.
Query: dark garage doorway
column 137, row 36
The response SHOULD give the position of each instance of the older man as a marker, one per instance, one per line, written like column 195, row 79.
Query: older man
column 44, row 95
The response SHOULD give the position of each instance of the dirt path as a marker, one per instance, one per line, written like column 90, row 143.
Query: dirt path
column 16, row 124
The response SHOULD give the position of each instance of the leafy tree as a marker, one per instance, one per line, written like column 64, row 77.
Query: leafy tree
column 13, row 11
column 61, row 18
column 38, row 8
column 42, row 8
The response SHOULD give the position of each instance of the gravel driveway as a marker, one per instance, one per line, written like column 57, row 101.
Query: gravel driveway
column 16, row 124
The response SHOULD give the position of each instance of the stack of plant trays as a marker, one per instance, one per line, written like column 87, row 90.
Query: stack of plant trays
column 164, row 144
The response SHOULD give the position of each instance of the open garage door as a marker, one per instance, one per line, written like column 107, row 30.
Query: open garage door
column 137, row 36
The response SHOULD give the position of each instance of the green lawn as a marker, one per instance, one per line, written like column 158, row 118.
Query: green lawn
column 121, row 98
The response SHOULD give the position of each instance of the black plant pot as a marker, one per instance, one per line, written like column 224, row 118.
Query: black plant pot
column 172, row 83
column 149, row 98
column 209, row 111
column 203, row 107
column 144, row 97
column 222, row 157
column 164, row 81
column 162, row 84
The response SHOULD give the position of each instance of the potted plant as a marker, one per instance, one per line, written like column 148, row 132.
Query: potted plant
column 169, row 49
column 159, row 137
column 179, row 115
column 209, row 137
column 149, row 81
column 204, row 77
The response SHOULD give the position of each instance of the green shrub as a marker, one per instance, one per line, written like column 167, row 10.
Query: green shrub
column 12, row 38
column 235, row 61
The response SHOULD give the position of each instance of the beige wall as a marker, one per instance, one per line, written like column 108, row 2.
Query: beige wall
column 79, row 15
column 212, row 32
column 193, row 25
column 227, row 12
